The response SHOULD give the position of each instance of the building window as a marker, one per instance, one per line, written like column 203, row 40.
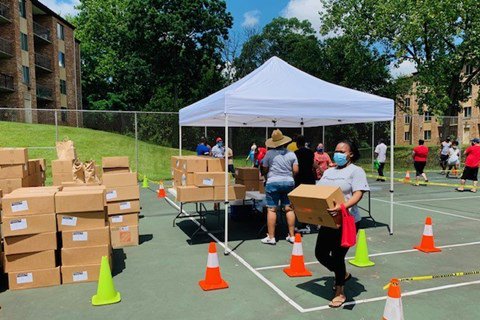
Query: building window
column 467, row 112
column 26, row 75
column 24, row 41
column 64, row 114
column 23, row 10
column 406, row 136
column 469, row 91
column 63, row 86
column 61, row 59
column 427, row 135
column 60, row 32
column 407, row 102
column 407, row 118
column 427, row 116
column 468, row 69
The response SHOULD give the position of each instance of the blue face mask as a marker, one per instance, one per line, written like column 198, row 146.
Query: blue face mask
column 340, row 159
column 320, row 150
column 220, row 144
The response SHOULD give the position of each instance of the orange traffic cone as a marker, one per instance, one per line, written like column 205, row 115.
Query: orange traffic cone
column 393, row 307
column 427, row 244
column 213, row 279
column 161, row 190
column 407, row 177
column 297, row 263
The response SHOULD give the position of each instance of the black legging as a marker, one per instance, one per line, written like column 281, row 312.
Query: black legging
column 380, row 168
column 331, row 254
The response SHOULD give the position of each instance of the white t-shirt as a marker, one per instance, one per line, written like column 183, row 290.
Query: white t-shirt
column 280, row 165
column 218, row 152
column 445, row 148
column 381, row 150
column 350, row 179
column 453, row 155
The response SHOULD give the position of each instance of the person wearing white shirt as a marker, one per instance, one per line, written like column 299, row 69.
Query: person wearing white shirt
column 453, row 158
column 381, row 154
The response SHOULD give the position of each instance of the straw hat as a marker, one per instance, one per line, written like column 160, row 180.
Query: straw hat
column 277, row 139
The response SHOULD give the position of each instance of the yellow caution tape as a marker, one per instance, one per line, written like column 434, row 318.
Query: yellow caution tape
column 436, row 276
column 437, row 184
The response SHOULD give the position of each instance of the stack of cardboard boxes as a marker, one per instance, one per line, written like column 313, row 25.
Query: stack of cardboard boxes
column 29, row 233
column 81, row 219
column 17, row 171
column 123, row 201
column 250, row 178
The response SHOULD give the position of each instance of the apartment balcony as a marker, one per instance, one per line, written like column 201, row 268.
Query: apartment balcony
column 44, row 93
column 6, row 49
column 41, row 33
column 43, row 63
column 5, row 16
column 6, row 83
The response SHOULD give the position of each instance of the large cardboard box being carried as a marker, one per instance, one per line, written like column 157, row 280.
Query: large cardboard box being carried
column 9, row 156
column 194, row 194
column 34, row 278
column 311, row 203
column 125, row 236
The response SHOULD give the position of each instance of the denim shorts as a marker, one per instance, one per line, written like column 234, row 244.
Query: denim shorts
column 278, row 192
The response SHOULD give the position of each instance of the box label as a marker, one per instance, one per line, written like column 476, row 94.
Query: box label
column 80, row 236
column 69, row 221
column 80, row 276
column 20, row 206
column 184, row 180
column 24, row 278
column 19, row 224
column 111, row 195
column 126, row 228
column 125, row 205
column 208, row 182
column 117, row 219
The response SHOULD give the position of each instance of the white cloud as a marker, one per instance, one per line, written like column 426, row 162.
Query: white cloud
column 62, row 7
column 251, row 19
column 406, row 68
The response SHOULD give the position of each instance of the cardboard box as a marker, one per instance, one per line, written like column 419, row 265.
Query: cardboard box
column 175, row 161
column 30, row 243
column 120, row 179
column 194, row 194
column 122, row 220
column 80, row 201
column 62, row 166
column 43, row 164
column 215, row 165
column 9, row 185
column 311, row 203
column 123, row 207
column 84, row 255
column 34, row 278
column 250, row 185
column 13, row 171
column 28, row 224
column 261, row 186
column 183, row 178
column 29, row 261
column 80, row 184
column 193, row 164
column 10, row 156
column 33, row 166
column 85, row 238
column 115, row 162
column 23, row 203
column 84, row 187
column 80, row 273
column 122, row 193
column 60, row 178
column 235, row 192
column 125, row 236
column 115, row 170
column 209, row 179
column 247, row 173
column 79, row 221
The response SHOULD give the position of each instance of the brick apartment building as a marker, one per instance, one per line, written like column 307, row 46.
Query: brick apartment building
column 410, row 126
column 39, row 63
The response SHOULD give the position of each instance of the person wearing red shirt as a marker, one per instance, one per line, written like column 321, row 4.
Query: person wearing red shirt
column 260, row 153
column 322, row 161
column 420, row 154
column 472, row 162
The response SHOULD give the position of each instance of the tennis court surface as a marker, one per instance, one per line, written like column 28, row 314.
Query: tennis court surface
column 159, row 279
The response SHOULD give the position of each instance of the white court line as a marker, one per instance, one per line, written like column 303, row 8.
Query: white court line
column 405, row 294
column 426, row 209
column 442, row 199
column 378, row 254
column 242, row 261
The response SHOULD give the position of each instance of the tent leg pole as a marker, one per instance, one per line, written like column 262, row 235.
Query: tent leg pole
column 205, row 133
column 302, row 131
column 323, row 137
column 373, row 146
column 226, row 187
column 392, row 166
column 180, row 141
column 266, row 133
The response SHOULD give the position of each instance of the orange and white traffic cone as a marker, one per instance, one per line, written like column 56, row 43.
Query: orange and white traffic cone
column 407, row 177
column 427, row 244
column 161, row 190
column 213, row 279
column 297, row 263
column 393, row 307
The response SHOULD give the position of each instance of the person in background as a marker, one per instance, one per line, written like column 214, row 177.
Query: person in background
column 472, row 162
column 453, row 158
column 203, row 149
column 259, row 155
column 420, row 154
column 352, row 180
column 445, row 147
column 251, row 154
column 293, row 145
column 218, row 150
column 280, row 166
column 381, row 155
column 306, row 169
column 322, row 161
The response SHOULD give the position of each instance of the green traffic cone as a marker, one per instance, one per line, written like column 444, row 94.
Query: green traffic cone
column 145, row 182
column 106, row 293
column 361, row 252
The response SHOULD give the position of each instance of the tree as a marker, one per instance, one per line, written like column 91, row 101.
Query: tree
column 440, row 37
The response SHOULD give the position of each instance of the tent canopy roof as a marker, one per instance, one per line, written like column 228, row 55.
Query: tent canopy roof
column 278, row 94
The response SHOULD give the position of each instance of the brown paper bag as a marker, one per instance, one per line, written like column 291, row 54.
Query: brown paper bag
column 90, row 172
column 78, row 172
column 66, row 150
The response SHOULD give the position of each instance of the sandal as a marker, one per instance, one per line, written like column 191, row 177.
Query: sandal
column 337, row 302
column 346, row 279
column 459, row 190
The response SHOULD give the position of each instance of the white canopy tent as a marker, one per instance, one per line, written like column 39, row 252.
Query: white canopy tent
column 280, row 95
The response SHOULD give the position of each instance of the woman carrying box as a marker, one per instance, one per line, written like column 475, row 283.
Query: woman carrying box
column 352, row 180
